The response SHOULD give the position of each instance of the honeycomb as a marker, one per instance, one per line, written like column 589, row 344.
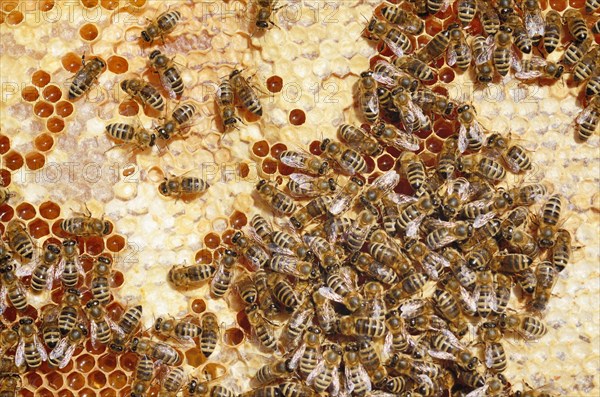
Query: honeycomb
column 55, row 158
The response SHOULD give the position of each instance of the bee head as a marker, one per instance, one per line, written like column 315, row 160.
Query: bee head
column 154, row 54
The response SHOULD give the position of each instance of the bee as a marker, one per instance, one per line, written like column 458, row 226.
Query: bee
column 414, row 169
column 411, row 115
column 190, row 276
column 459, row 288
column 42, row 275
column 306, row 357
column 397, row 41
column 561, row 252
column 415, row 67
column 144, row 372
column 470, row 135
column 180, row 117
column 527, row 281
column 144, row 92
column 502, row 55
column 86, row 76
column 445, row 233
column 368, row 100
column 432, row 102
column 462, row 273
column 386, row 103
column 406, row 20
column 279, row 201
column 271, row 372
column 481, row 211
column 11, row 286
column 125, row 329
column 546, row 275
column 302, row 185
column 356, row 377
column 466, row 11
column 5, row 194
column 436, row 47
column 156, row 350
column 523, row 243
column 263, row 391
column 503, row 287
column 69, row 312
column 170, row 76
column 514, row 263
column 178, row 186
column 245, row 93
column 286, row 243
column 29, row 349
column 69, row 268
column 161, row 26
column 210, row 333
column 412, row 214
column 398, row 340
column 411, row 284
column 19, row 240
column 450, row 309
column 371, row 361
column 224, row 274
column 596, row 27
column 480, row 256
column 261, row 327
column 528, row 327
column 50, row 330
column 446, row 346
column 484, row 166
column 296, row 389
column 392, row 136
column 326, row 373
column 386, row 254
column 291, row 266
column 589, row 120
column 100, row 285
column 203, row 389
column 315, row 208
column 341, row 287
column 263, row 15
column 576, row 24
column 283, row 291
column 549, row 222
column 447, row 158
column 389, row 75
column 225, row 101
column 592, row 87
column 459, row 52
column 552, row 31
column 527, row 195
column 359, row 231
column 520, row 35
column 484, row 293
column 63, row 352
column 360, row 140
column 140, row 138
column 179, row 329
column 10, row 383
column 419, row 370
column 575, row 51
column 304, row 161
column 484, row 66
column 533, row 20
column 323, row 250
column 537, row 67
column 8, row 339
column 100, row 324
column 380, row 187
column 495, row 355
column 297, row 324
column 432, row 262
column 173, row 382
column 250, row 250
column 591, row 6
column 86, row 226
column 262, row 228
column 349, row 160
column 435, row 6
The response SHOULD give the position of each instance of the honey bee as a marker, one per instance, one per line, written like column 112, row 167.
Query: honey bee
column 225, row 101
column 587, row 66
column 482, row 211
column 418, row 370
column 480, row 256
column 8, row 338
column 432, row 262
column 414, row 169
column 368, row 100
column 384, row 254
column 463, row 274
column 340, row 286
column 389, row 75
column 484, row 166
column 369, row 358
column 100, row 325
column 5, row 194
column 549, row 223
column 263, row 391
column 190, row 276
column 390, row 135
column 447, row 158
column 306, row 358
column 526, row 326
column 291, row 266
column 552, row 31
column 484, row 66
column 30, row 350
column 514, row 263
column 412, row 214
column 224, row 274
column 435, row 6
column 140, row 138
column 432, row 102
column 210, row 333
column 251, row 250
column 263, row 14
column 69, row 268
column 296, row 389
column 527, row 195
column 181, row 116
column 178, row 186
column 144, row 92
column 575, row 51
column 283, row 291
column 380, row 187
column 470, row 135
column 459, row 52
column 288, row 244
column 359, row 231
column 356, row 378
column 296, row 325
column 326, row 372
column 415, row 67
column 591, row 6
column 19, row 240
column 561, row 252
column 203, row 389
column 406, row 20
column 170, row 76
column 245, row 93
column 42, row 275
column 302, row 185
column 125, row 329
column 397, row 41
column 589, row 120
column 502, row 55
column 546, row 275
column 11, row 286
column 10, row 383
column 164, row 24
column 411, row 115
column 537, row 67
column 63, row 352
column 279, row 201
column 177, row 328
column 263, row 329
column 271, row 372
column 576, row 24
column 70, row 311
column 592, row 87
column 172, row 382
column 315, row 208
column 360, row 140
column 520, row 35
column 349, row 160
column 99, row 285
column 523, row 242
column 411, row 284
column 495, row 355
column 446, row 346
column 444, row 233
column 262, row 228
column 85, row 77
column 156, row 350
column 436, row 47
column 86, row 226
column 304, row 161
column 50, row 330
column 485, row 294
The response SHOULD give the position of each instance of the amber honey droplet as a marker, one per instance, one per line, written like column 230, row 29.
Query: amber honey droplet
column 46, row 5
column 55, row 380
column 297, row 117
column 5, row 177
column 13, row 160
column 49, row 210
column 55, row 124
column 43, row 109
column 128, row 361
column 87, row 392
column 315, row 148
column 40, row 78
column 43, row 392
column 445, row 130
column 203, row 256
column 25, row 392
column 25, row 211
column 446, row 75
column 434, row 144
column 558, row 5
column 118, row 279
column 85, row 363
column 43, row 142
column 35, row 160
column 75, row 381
column 432, row 27
column 107, row 362
column 244, row 170
column 238, row 220
column 52, row 93
column 194, row 357
column 370, row 163
column 129, row 108
column 108, row 393
column 233, row 336
column 198, row 306
column 115, row 243
column 64, row 109
column 260, row 148
column 385, row 162
column 269, row 166
column 212, row 240
column 34, row 379
column 88, row 32
column 71, row 62
column 137, row 3
column 15, row 18
column 6, row 212
column 109, row 4
column 274, row 83
column 277, row 149
column 242, row 321
column 89, row 3
column 30, row 93
column 94, row 245
column 38, row 228
column 96, row 380
column 4, row 144
column 284, row 169
column 117, row 64
column 227, row 235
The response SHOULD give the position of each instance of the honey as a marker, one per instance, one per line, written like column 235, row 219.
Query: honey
column 55, row 124
column 128, row 361
column 64, row 109
column 194, row 357
column 233, row 336
column 446, row 75
column 109, row 5
column 277, row 149
column 238, row 220
column 261, row 148
column 212, row 240
column 315, row 148
column 43, row 143
column 107, row 362
column 13, row 160
column 269, row 166
column 55, row 380
column 40, row 78
column 297, row 117
column 25, row 211
column 203, row 256
column 385, row 162
column 88, row 32
column 52, row 93
column 96, row 379
column 46, row 5
column 115, row 243
column 94, row 245
column 244, row 170
column 49, row 210
column 35, row 160
column 198, row 306
column 43, row 109
column 71, row 62
column 85, row 363
column 75, row 381
column 4, row 144
column 30, row 93
column 118, row 279
column 117, row 64
column 274, row 84
column 89, row 3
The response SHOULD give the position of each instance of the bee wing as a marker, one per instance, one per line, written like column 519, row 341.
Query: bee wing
column 488, row 48
column 340, row 203
column 335, row 382
column 59, row 349
column 430, row 269
column 3, row 303
column 402, row 199
column 522, row 75
column 422, row 378
column 462, row 138
column 67, row 356
column 482, row 219
column 440, row 355
column 297, row 356
column 388, row 343
column 585, row 114
column 412, row 228
column 403, row 141
column 20, row 353
column 451, row 55
column 297, row 161
column 385, row 74
column 396, row 49
column 476, row 132
column 330, row 294
column 534, row 23
column 489, row 355
column 467, row 300
column 26, row 269
column 372, row 102
column 411, row 308
column 60, row 268
column 418, row 112
column 318, row 369
column 480, row 392
column 387, row 181
column 167, row 85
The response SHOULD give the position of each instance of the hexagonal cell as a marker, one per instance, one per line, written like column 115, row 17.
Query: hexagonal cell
column 75, row 381
column 194, row 357
column 55, row 380
column 109, row 4
column 89, row 3
column 261, row 148
column 212, row 240
column 13, row 160
column 107, row 362
column 35, row 160
column 198, row 306
column 89, row 32
column 128, row 361
column 96, row 379
column 71, row 62
column 118, row 379
column 40, row 78
column 30, row 93
column 52, row 93
column 115, row 243
column 297, row 117
column 64, row 109
column 43, row 109
column 46, row 5
column 55, row 124
column 117, row 64
column 44, row 142
column 233, row 337
column 85, row 363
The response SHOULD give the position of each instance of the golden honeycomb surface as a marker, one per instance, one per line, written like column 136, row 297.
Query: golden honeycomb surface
column 318, row 52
